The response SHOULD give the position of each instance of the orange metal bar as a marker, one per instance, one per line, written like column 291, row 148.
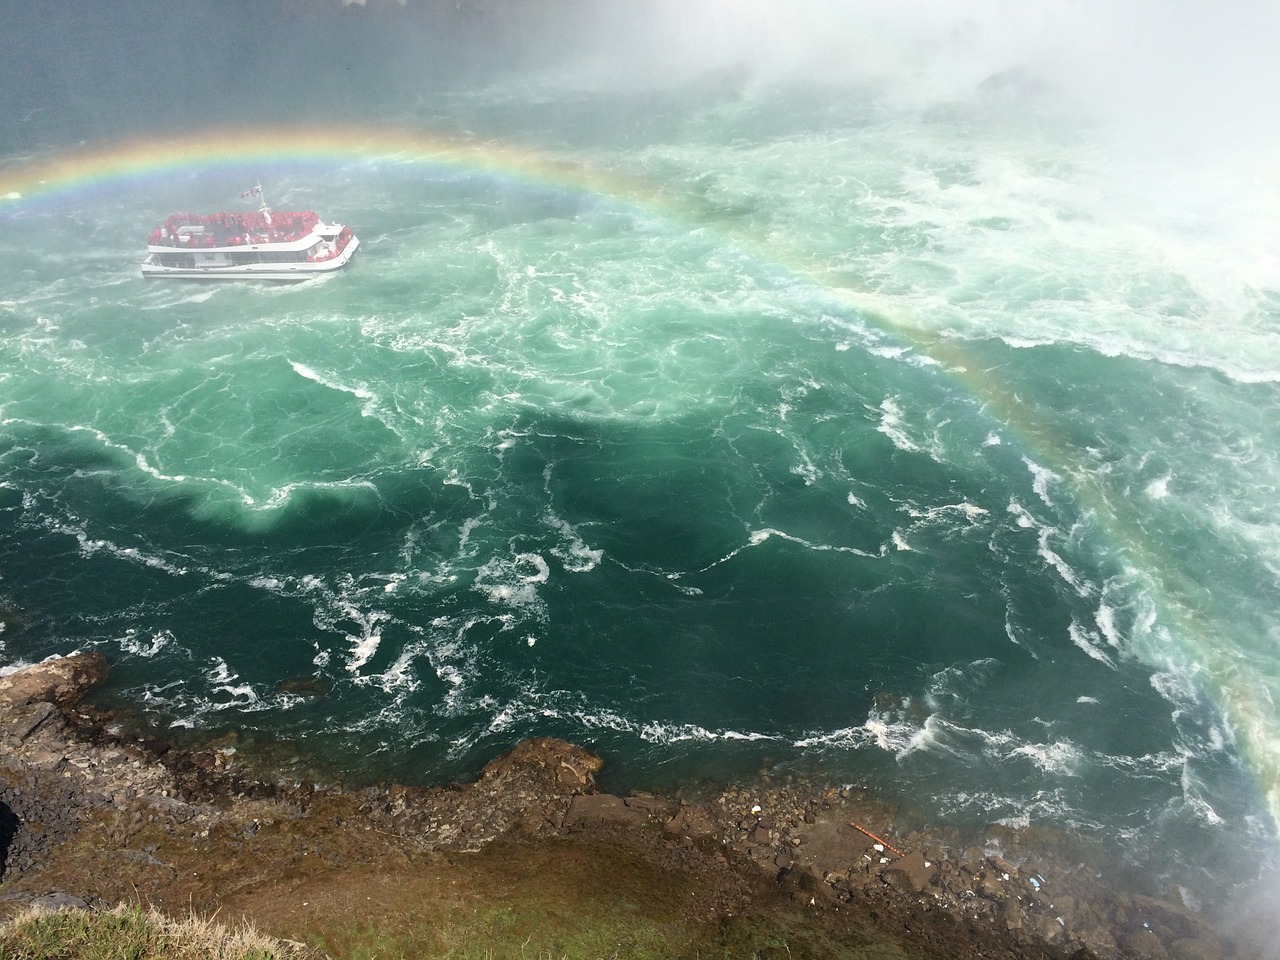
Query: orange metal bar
column 880, row 840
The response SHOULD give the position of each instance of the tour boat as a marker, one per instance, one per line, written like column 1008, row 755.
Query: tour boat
column 262, row 244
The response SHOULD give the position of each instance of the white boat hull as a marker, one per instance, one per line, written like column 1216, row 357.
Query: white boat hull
column 291, row 272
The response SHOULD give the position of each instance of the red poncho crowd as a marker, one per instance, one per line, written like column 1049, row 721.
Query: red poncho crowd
column 233, row 229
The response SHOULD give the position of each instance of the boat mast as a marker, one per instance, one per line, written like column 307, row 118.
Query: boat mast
column 263, row 208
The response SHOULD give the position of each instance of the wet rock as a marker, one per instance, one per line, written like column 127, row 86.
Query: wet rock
column 310, row 687
column 155, row 746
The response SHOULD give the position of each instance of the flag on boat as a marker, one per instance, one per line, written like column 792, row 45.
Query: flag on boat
column 252, row 192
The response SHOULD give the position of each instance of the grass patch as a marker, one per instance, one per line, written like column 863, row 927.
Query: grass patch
column 497, row 932
column 505, row 934
column 554, row 901
column 564, row 899
column 133, row 933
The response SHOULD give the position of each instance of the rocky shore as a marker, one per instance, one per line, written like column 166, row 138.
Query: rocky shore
column 91, row 813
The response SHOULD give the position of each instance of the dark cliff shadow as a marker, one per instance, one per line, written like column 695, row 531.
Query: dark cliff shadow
column 9, row 824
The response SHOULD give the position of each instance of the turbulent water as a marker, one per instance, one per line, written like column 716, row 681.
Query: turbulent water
column 926, row 444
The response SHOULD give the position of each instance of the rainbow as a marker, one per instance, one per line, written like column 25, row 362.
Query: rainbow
column 1183, row 607
column 239, row 147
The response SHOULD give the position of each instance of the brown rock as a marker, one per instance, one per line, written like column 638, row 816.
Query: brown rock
column 63, row 681
column 692, row 822
column 1197, row 948
column 561, row 766
column 597, row 808
column 1143, row 944
column 28, row 721
column 659, row 807
column 1097, row 940
column 991, row 887
column 913, row 867
column 1045, row 927
column 896, row 879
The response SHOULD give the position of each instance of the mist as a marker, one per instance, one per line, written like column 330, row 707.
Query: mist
column 1176, row 76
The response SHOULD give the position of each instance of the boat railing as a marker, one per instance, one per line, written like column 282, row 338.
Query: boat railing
column 339, row 244
column 185, row 230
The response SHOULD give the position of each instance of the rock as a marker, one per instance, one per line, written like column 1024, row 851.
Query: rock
column 311, row 687
column 1065, row 907
column 1046, row 927
column 897, row 879
column 9, row 825
column 39, row 810
column 597, row 808
column 1197, row 948
column 1003, row 865
column 177, row 810
column 1143, row 944
column 114, row 786
column 1170, row 920
column 1097, row 939
column 692, row 822
column 155, row 746
column 48, row 759
column 558, row 765
column 53, row 902
column 659, row 807
column 919, row 875
column 990, row 887
column 28, row 721
column 62, row 681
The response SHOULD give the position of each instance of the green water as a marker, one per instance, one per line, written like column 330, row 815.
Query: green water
column 896, row 445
